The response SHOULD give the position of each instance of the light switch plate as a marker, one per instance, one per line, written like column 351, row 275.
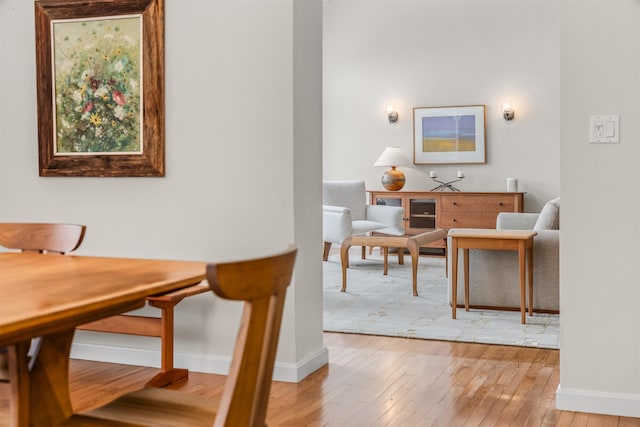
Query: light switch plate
column 604, row 129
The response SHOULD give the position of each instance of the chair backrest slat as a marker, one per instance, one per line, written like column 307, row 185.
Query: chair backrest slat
column 58, row 238
column 262, row 284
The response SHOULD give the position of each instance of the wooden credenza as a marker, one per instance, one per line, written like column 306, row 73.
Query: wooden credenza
column 435, row 209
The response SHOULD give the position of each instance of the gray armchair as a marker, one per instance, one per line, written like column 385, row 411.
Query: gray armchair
column 345, row 213
column 494, row 274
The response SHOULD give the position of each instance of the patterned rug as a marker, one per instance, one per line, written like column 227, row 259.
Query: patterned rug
column 375, row 304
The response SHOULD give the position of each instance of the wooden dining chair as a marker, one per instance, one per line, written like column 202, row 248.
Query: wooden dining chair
column 42, row 238
column 261, row 284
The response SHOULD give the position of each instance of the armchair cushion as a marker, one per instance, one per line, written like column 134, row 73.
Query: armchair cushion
column 345, row 212
column 516, row 221
column 549, row 218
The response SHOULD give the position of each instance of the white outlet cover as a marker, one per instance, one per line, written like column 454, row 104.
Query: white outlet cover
column 604, row 129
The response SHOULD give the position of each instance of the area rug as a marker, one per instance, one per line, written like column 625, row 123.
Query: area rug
column 375, row 304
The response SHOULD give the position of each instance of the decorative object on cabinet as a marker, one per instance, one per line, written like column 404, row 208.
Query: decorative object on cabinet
column 393, row 179
column 449, row 134
column 100, row 77
column 445, row 185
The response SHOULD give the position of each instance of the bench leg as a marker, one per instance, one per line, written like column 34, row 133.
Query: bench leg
column 168, row 374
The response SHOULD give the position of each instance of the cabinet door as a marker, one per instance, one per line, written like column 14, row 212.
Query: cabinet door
column 422, row 213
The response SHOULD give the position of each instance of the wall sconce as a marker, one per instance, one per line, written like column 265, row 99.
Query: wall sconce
column 392, row 114
column 507, row 111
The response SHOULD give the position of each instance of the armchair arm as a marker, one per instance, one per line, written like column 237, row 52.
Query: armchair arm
column 336, row 224
column 391, row 216
column 516, row 221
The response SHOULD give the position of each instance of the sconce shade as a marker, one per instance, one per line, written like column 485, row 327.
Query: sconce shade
column 507, row 112
column 393, row 179
column 392, row 114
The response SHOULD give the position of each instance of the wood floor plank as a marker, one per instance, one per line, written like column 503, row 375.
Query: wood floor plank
column 383, row 381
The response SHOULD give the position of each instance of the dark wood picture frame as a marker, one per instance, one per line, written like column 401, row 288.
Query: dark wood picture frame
column 149, row 162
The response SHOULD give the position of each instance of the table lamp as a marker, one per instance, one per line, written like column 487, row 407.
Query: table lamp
column 393, row 179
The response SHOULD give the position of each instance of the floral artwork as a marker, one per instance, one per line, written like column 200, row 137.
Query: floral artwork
column 98, row 75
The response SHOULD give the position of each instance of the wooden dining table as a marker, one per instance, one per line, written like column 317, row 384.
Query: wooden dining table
column 47, row 295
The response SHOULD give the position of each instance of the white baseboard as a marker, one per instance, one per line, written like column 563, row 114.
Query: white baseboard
column 597, row 402
column 287, row 372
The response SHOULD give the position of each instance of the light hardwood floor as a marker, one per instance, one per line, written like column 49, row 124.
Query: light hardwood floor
column 382, row 381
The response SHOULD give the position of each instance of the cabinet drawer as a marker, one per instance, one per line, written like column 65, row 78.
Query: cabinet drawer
column 477, row 204
column 469, row 220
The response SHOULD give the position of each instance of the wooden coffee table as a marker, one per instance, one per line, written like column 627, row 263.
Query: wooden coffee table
column 386, row 241
column 472, row 238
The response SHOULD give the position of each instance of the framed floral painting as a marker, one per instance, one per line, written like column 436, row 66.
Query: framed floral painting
column 100, row 69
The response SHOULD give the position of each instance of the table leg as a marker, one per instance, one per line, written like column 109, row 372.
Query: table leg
column 522, row 270
column 386, row 260
column 414, row 250
column 530, row 265
column 42, row 392
column 454, row 276
column 465, row 252
column 18, row 362
column 344, row 261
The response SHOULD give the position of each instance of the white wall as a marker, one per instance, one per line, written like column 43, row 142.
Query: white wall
column 439, row 53
column 232, row 189
column 600, row 289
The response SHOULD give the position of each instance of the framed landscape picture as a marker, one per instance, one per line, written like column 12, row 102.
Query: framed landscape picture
column 100, row 69
column 449, row 134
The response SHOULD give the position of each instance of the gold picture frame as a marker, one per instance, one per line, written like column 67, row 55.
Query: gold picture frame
column 100, row 87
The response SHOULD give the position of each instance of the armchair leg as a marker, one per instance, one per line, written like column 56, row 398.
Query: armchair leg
column 325, row 252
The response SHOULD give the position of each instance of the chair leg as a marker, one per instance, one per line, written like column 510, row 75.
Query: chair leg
column 325, row 252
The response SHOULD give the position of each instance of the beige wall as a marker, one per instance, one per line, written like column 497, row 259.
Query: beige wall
column 439, row 53
column 232, row 188
column 599, row 292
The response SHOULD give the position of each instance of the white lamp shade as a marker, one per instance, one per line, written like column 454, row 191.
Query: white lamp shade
column 392, row 156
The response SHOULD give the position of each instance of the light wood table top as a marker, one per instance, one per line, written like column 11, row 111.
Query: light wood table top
column 492, row 233
column 49, row 295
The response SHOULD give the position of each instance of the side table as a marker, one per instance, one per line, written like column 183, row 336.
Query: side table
column 513, row 240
